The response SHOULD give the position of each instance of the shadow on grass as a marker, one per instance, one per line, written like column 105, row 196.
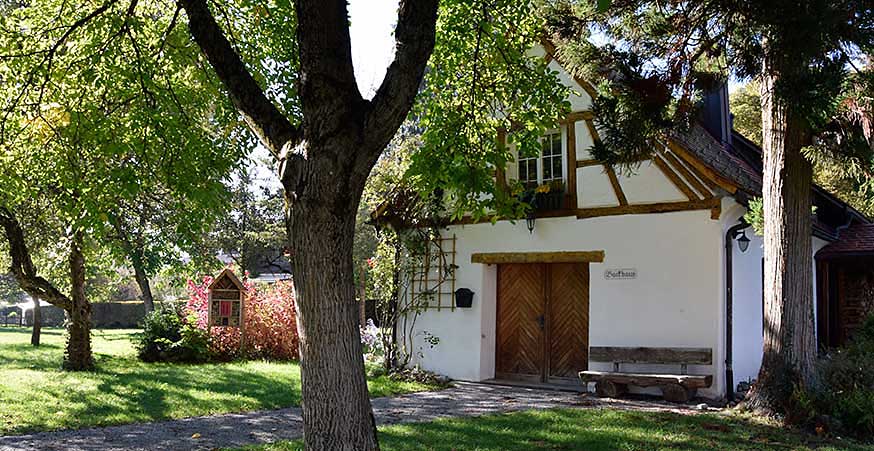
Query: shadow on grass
column 596, row 430
column 136, row 392
column 591, row 430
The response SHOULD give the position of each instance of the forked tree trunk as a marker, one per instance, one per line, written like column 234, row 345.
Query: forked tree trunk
column 336, row 405
column 789, row 350
column 77, row 355
column 37, row 322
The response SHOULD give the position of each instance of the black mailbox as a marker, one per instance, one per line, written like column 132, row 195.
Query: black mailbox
column 463, row 298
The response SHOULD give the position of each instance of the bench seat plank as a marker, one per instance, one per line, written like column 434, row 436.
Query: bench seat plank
column 647, row 380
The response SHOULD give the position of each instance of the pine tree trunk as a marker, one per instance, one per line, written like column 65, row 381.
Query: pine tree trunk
column 78, row 356
column 789, row 350
column 143, row 282
column 336, row 405
column 37, row 322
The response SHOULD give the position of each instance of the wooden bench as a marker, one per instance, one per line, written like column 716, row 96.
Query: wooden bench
column 675, row 387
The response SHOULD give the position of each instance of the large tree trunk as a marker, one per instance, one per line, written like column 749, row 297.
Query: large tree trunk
column 336, row 405
column 143, row 282
column 77, row 355
column 789, row 350
column 323, row 164
column 37, row 322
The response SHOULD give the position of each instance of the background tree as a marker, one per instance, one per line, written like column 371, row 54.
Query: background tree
column 847, row 177
column 657, row 60
column 287, row 68
column 252, row 231
column 85, row 134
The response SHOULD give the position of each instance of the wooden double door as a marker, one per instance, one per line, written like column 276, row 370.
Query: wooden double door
column 542, row 332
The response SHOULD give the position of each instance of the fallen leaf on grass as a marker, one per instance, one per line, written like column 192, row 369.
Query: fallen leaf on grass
column 715, row 427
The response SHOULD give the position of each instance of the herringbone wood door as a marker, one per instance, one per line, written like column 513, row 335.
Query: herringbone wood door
column 520, row 337
column 568, row 320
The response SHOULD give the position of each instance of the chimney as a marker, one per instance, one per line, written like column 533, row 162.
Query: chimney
column 715, row 114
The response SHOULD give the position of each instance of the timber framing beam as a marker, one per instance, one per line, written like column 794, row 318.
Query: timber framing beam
column 585, row 115
column 571, row 170
column 688, row 175
column 617, row 188
column 538, row 257
column 587, row 163
column 674, row 178
column 662, row 207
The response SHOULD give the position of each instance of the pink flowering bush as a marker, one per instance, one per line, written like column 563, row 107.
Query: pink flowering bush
column 270, row 322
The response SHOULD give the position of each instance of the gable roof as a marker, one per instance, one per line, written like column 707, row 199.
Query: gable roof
column 740, row 161
column 855, row 240
column 226, row 274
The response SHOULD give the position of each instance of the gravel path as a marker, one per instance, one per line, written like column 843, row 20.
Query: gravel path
column 231, row 430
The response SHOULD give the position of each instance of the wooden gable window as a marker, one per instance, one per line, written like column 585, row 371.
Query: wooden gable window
column 551, row 154
column 545, row 168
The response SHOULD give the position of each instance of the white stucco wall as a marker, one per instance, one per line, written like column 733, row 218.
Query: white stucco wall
column 747, row 306
column 675, row 301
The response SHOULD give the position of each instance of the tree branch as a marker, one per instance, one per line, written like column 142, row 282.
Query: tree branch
column 263, row 117
column 22, row 265
column 414, row 40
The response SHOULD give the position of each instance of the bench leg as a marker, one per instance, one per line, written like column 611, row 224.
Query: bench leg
column 608, row 389
column 677, row 393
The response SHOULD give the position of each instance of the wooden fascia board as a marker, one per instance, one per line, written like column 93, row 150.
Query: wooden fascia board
column 706, row 172
column 538, row 257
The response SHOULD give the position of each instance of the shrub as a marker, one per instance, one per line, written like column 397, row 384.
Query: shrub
column 845, row 393
column 168, row 337
column 270, row 322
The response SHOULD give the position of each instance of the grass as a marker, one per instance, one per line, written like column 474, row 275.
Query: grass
column 593, row 430
column 35, row 395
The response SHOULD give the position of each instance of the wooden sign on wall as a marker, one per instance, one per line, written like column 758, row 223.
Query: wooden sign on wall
column 226, row 300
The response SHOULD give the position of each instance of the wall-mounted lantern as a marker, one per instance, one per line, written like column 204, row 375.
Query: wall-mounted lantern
column 463, row 298
column 529, row 221
column 743, row 242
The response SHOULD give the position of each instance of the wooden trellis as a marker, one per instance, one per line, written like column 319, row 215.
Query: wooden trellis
column 432, row 280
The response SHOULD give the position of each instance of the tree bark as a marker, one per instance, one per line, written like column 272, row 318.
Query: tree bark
column 37, row 322
column 77, row 356
column 789, row 349
column 142, row 281
column 336, row 405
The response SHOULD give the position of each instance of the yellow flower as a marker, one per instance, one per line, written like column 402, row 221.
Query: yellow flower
column 542, row 189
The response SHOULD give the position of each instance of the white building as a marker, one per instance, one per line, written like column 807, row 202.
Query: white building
column 625, row 260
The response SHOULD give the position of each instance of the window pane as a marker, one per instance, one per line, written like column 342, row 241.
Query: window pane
column 547, row 169
column 556, row 167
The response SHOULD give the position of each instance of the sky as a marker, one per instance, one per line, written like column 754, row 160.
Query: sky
column 371, row 28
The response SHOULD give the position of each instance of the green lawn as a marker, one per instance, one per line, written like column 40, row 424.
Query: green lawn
column 36, row 395
column 593, row 430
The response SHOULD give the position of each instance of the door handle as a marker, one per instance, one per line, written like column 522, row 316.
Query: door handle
column 541, row 320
